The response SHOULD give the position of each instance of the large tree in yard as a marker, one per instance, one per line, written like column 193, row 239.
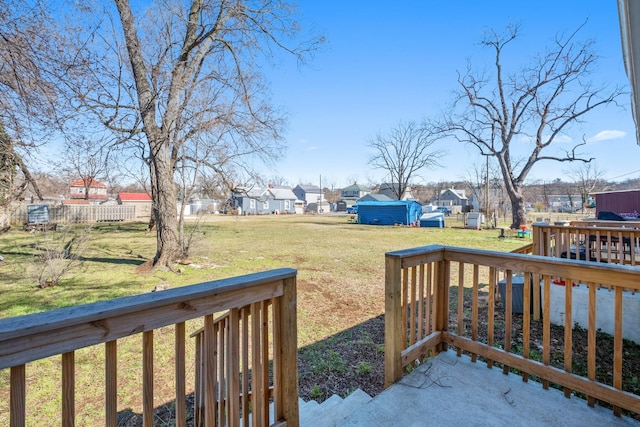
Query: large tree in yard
column 522, row 116
column 404, row 152
column 180, row 82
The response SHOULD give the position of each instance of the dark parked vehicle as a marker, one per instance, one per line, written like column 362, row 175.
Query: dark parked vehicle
column 443, row 209
column 352, row 209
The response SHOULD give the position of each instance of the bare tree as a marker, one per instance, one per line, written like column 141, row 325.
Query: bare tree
column 27, row 96
column 87, row 160
column 404, row 152
column 587, row 177
column 538, row 104
column 181, row 84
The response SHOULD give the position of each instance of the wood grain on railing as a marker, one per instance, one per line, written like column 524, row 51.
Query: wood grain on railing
column 232, row 361
column 503, row 344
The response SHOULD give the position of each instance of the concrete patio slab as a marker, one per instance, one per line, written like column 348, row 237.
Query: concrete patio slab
column 453, row 391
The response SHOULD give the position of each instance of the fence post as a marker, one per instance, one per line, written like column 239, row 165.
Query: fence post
column 393, row 326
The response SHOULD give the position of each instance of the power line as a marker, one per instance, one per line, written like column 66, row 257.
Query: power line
column 629, row 173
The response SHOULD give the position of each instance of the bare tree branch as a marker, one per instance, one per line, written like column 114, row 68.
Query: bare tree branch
column 539, row 103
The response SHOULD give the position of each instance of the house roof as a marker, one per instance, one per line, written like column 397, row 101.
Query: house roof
column 282, row 193
column 134, row 197
column 375, row 197
column 92, row 196
column 458, row 193
column 356, row 187
column 92, row 183
column 309, row 188
column 252, row 193
column 75, row 202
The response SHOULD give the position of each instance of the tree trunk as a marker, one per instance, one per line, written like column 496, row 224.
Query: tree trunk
column 518, row 213
column 164, row 209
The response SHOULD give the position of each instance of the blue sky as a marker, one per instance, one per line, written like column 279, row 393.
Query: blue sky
column 390, row 61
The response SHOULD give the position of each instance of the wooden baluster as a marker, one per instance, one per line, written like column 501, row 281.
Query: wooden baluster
column 223, row 391
column 68, row 389
column 546, row 326
column 405, row 305
column 508, row 313
column 18, row 411
column 257, row 383
column 568, row 330
column 537, row 309
column 181, row 403
column 591, row 339
column 246, row 369
column 420, row 331
column 147, row 379
column 526, row 318
column 491, row 309
column 474, row 308
column 233, row 368
column 621, row 253
column 198, row 395
column 617, row 345
column 460, row 304
column 264, row 352
column 429, row 301
column 210, row 374
column 412, row 307
column 111, row 383
column 444, row 284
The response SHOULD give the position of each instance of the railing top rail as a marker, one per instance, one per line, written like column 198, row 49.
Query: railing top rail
column 54, row 319
column 420, row 250
column 585, row 271
column 621, row 228
column 71, row 328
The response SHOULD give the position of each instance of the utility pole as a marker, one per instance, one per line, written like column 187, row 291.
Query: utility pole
column 486, row 190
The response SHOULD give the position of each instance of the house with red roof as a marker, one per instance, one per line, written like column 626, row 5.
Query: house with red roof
column 88, row 189
column 141, row 201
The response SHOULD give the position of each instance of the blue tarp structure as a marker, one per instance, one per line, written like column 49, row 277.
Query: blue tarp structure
column 405, row 212
column 432, row 219
column 38, row 214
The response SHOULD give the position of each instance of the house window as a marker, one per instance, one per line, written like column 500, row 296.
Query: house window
column 252, row 204
column 265, row 204
column 287, row 205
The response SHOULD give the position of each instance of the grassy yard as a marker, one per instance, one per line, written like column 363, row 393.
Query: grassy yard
column 340, row 289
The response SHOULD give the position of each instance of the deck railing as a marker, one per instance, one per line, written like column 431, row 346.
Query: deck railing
column 61, row 332
column 238, row 350
column 589, row 241
column 442, row 296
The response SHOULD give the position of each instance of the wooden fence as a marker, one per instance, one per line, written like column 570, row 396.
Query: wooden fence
column 28, row 338
column 422, row 284
column 79, row 213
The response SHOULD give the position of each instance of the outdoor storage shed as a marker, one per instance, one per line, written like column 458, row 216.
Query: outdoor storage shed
column 405, row 212
column 433, row 219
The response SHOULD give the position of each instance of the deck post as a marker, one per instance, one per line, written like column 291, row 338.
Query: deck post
column 287, row 331
column 443, row 277
column 393, row 327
